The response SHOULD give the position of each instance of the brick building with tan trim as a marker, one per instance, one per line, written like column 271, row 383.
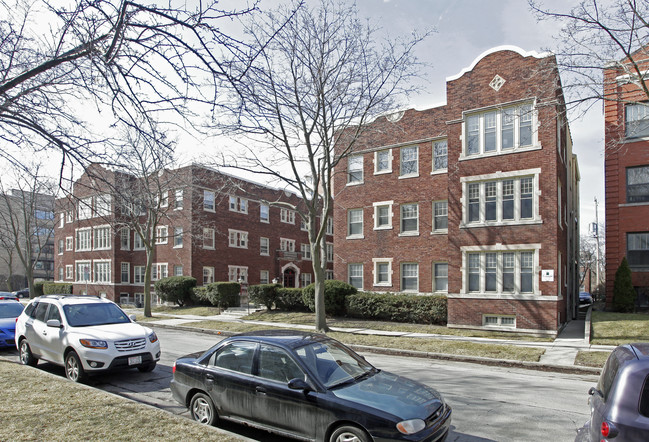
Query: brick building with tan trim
column 476, row 199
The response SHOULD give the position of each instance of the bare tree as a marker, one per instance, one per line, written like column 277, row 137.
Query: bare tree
column 323, row 72
column 134, row 63
column 27, row 219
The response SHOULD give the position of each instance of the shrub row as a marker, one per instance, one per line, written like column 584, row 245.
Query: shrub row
column 54, row 288
column 220, row 294
column 176, row 289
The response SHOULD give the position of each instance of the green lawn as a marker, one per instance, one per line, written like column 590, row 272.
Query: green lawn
column 619, row 328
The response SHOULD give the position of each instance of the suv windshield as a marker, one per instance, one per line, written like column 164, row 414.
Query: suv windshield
column 10, row 310
column 82, row 315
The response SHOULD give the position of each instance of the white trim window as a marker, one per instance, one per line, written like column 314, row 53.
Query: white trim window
column 209, row 201
column 382, row 272
column 125, row 272
column 499, row 130
column 138, row 274
column 440, row 156
column 410, row 219
column 61, row 246
column 178, row 199
column 440, row 277
column 264, row 277
column 68, row 216
column 329, row 275
column 305, row 249
column 164, row 198
column 355, row 169
column 264, row 246
column 355, row 272
column 125, row 238
column 161, row 235
column 303, row 226
column 178, row 270
column 103, row 204
column 60, row 274
column 61, row 220
column 287, row 245
column 69, row 243
column 84, row 271
column 238, row 204
column 330, row 226
column 305, row 279
column 208, row 275
column 159, row 271
column 138, row 241
column 178, row 237
column 501, row 198
column 84, row 208
column 208, row 238
column 636, row 120
column 383, row 161
column 509, row 271
column 84, row 239
column 409, row 162
column 354, row 223
column 440, row 216
column 508, row 321
column 69, row 271
column 383, row 215
column 264, row 213
column 235, row 273
column 238, row 239
column 330, row 252
column 287, row 216
column 101, row 238
column 409, row 277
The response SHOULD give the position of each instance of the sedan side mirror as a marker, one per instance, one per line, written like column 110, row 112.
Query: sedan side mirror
column 54, row 323
column 594, row 390
column 299, row 384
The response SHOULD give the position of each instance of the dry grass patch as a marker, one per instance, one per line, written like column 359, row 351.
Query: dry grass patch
column 200, row 310
column 619, row 328
column 591, row 358
column 46, row 407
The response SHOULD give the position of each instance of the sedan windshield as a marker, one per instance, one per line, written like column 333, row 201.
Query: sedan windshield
column 10, row 310
column 333, row 363
column 83, row 315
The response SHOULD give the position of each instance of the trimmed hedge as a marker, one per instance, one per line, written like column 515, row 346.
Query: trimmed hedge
column 415, row 309
column 290, row 299
column 335, row 294
column 176, row 289
column 265, row 294
column 223, row 294
column 56, row 288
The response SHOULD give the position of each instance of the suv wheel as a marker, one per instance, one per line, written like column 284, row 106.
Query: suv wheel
column 73, row 368
column 26, row 355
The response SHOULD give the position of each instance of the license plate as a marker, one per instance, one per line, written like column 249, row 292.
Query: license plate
column 135, row 360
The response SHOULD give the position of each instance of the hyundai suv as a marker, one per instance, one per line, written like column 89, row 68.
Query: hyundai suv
column 85, row 335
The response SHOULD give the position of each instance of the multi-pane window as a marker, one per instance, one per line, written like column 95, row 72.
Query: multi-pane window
column 124, row 238
column 355, row 272
column 329, row 275
column 409, row 161
column 238, row 238
column 409, row 277
column 637, row 120
column 178, row 270
column 382, row 273
column 84, row 237
column 440, row 214
column 499, row 321
column 102, row 271
column 330, row 252
column 138, row 241
column 440, row 275
column 287, row 216
column 383, row 215
column 68, row 243
column 637, row 184
column 306, row 251
column 303, row 226
column 305, row 279
column 84, row 272
column 102, row 205
column 500, row 200
column 330, row 226
column 440, row 155
column 138, row 274
column 637, row 249
column 60, row 274
column 355, row 169
column 264, row 213
column 264, row 277
column 238, row 204
column 208, row 238
column 161, row 234
column 499, row 130
column 355, row 222
column 383, row 161
column 238, row 274
column 125, row 272
column 164, row 199
column 287, row 245
column 101, row 238
column 61, row 220
column 264, row 247
column 178, row 237
column 61, row 246
column 409, row 218
column 209, row 200
column 84, row 209
column 68, row 216
column 501, row 271
column 208, row 275
column 69, row 270
column 159, row 271
column 178, row 200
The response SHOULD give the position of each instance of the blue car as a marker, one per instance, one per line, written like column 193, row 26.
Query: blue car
column 9, row 311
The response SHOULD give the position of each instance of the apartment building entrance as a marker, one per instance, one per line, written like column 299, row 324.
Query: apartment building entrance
column 289, row 278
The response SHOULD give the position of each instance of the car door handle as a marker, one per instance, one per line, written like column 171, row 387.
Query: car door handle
column 260, row 390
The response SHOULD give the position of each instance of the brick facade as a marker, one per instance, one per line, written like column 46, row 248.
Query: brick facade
column 491, row 233
column 237, row 234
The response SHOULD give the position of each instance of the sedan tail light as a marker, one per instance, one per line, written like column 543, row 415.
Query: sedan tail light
column 609, row 430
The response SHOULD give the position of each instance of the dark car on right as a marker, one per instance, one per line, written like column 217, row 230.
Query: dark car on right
column 619, row 404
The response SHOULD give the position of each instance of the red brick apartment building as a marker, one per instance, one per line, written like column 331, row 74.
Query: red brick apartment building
column 214, row 227
column 476, row 199
column 626, row 165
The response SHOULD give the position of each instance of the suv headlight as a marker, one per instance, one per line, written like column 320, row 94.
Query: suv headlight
column 94, row 343
column 411, row 426
column 153, row 337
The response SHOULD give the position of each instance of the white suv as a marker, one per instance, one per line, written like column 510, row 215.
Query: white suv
column 84, row 334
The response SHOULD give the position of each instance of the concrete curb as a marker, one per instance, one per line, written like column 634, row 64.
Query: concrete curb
column 571, row 369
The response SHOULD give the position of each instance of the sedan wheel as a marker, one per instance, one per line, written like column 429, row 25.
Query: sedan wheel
column 348, row 434
column 73, row 368
column 26, row 356
column 202, row 409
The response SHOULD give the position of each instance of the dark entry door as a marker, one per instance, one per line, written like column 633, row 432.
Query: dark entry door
column 289, row 278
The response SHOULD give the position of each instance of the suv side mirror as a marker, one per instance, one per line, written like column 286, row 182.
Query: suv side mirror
column 54, row 323
column 132, row 318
